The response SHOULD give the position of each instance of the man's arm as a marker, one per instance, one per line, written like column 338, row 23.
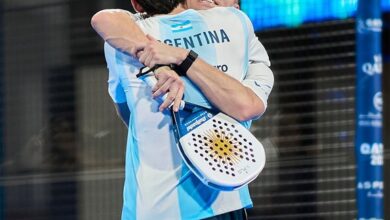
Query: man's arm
column 225, row 92
column 118, row 28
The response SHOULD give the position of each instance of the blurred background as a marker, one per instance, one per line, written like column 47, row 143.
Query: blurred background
column 62, row 145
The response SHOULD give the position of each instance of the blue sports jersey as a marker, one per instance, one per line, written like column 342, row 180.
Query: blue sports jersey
column 158, row 185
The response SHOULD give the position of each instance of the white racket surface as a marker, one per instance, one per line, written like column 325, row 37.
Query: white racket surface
column 219, row 150
column 223, row 152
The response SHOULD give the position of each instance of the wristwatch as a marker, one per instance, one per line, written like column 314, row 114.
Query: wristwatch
column 182, row 68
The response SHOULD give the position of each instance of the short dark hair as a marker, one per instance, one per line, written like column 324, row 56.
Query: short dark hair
column 153, row 7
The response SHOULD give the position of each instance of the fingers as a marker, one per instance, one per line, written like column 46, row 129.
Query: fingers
column 150, row 37
column 179, row 97
column 137, row 48
column 167, row 102
column 163, row 88
column 139, row 53
column 155, row 52
column 149, row 60
column 144, row 56
column 173, row 98
column 161, row 77
column 170, row 85
column 149, row 56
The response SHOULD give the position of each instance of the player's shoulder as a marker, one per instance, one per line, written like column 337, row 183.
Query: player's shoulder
column 108, row 49
column 226, row 15
column 119, row 11
column 223, row 11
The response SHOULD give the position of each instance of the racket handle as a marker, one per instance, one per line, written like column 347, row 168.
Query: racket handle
column 151, row 81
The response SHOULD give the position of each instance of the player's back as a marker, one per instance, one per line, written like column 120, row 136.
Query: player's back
column 218, row 35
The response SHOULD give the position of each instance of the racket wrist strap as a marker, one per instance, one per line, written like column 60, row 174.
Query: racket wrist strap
column 182, row 68
column 146, row 70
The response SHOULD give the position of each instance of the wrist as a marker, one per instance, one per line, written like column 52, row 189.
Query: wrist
column 162, row 68
column 182, row 68
column 181, row 56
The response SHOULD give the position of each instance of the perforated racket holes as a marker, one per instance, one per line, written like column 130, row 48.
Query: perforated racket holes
column 222, row 147
column 238, row 147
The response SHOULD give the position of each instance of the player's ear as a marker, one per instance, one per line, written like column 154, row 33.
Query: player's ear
column 237, row 4
column 137, row 7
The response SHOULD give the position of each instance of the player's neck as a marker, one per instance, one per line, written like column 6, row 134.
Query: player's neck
column 177, row 10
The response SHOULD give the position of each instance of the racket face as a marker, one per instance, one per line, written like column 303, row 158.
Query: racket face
column 222, row 151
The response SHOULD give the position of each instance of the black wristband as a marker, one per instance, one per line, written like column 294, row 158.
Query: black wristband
column 182, row 69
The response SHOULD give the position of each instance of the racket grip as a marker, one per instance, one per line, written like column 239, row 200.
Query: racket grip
column 151, row 81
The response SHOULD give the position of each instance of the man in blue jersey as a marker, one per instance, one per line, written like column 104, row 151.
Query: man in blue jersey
column 158, row 185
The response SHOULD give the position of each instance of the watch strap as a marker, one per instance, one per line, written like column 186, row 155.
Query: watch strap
column 186, row 64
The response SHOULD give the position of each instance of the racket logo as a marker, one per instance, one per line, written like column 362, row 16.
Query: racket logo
column 198, row 119
column 196, row 123
column 223, row 148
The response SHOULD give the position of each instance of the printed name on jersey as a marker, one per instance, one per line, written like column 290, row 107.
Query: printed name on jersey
column 200, row 39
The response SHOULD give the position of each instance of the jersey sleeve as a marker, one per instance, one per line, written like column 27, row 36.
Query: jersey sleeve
column 256, row 50
column 260, row 80
column 115, row 88
column 259, row 77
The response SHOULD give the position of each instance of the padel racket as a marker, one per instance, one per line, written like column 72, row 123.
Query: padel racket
column 221, row 152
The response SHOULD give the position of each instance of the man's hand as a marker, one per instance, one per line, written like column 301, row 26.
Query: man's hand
column 155, row 52
column 169, row 83
column 118, row 28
